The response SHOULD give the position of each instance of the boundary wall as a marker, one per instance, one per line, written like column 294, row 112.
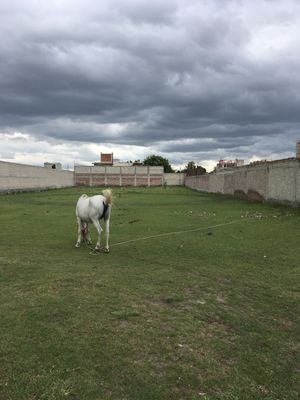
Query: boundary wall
column 17, row 177
column 20, row 177
column 118, row 176
column 174, row 179
column 277, row 181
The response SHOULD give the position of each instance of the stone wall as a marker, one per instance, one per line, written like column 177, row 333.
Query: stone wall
column 277, row 181
column 18, row 177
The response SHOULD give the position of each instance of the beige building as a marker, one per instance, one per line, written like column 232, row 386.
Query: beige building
column 223, row 164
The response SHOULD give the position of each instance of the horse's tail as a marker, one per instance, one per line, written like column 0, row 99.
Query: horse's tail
column 107, row 193
column 83, row 196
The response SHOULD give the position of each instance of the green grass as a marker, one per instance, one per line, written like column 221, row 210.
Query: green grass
column 212, row 314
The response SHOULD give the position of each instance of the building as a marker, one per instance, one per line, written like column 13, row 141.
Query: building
column 105, row 159
column 223, row 164
column 119, row 163
column 257, row 162
column 53, row 165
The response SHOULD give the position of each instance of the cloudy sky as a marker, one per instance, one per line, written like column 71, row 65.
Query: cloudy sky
column 187, row 79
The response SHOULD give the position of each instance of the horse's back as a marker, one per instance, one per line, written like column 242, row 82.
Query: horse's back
column 96, row 200
column 89, row 208
column 82, row 207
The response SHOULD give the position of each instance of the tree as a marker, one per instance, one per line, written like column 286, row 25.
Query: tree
column 190, row 167
column 193, row 169
column 156, row 161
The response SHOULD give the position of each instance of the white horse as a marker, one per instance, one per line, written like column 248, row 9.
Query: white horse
column 91, row 210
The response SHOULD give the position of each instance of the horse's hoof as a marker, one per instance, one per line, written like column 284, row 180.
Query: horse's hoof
column 106, row 250
column 77, row 245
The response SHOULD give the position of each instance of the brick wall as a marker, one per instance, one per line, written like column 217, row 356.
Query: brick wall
column 119, row 176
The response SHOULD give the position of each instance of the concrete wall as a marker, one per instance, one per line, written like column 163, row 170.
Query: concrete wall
column 174, row 179
column 284, row 182
column 17, row 177
column 119, row 176
column 277, row 181
column 216, row 183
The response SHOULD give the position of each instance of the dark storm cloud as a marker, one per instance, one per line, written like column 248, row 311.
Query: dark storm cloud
column 215, row 75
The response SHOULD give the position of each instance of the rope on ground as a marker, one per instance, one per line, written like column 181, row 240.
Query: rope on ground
column 173, row 233
column 102, row 250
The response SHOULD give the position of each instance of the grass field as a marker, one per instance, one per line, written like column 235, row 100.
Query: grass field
column 210, row 314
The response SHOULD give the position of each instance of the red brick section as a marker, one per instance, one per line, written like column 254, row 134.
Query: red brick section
column 113, row 180
column 155, row 181
column 106, row 158
column 98, row 180
column 82, row 180
column 141, row 181
column 128, row 180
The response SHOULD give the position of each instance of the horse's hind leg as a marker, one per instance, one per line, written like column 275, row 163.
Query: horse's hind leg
column 88, row 236
column 107, row 234
column 99, row 230
column 80, row 227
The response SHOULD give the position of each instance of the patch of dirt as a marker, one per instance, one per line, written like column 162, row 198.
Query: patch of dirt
column 224, row 280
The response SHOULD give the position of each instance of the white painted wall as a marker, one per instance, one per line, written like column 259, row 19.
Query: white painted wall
column 26, row 177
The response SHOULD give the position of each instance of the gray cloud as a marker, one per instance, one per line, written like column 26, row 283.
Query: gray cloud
column 203, row 79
